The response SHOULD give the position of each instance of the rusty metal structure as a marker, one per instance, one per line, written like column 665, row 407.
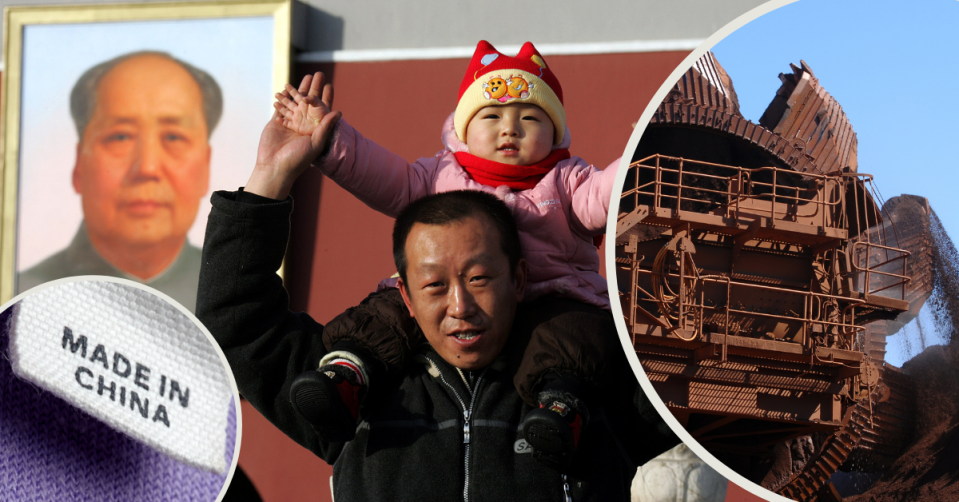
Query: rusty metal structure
column 751, row 260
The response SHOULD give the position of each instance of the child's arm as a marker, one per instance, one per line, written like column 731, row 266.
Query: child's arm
column 380, row 179
column 590, row 190
column 284, row 153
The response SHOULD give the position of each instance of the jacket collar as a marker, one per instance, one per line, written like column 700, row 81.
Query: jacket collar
column 437, row 367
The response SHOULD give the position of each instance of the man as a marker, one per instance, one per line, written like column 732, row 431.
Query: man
column 448, row 427
column 142, row 166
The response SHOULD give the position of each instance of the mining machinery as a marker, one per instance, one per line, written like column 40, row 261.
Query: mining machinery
column 752, row 260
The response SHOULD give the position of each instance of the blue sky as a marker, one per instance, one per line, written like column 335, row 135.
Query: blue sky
column 892, row 65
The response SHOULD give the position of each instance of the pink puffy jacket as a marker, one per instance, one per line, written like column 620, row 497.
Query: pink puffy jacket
column 557, row 218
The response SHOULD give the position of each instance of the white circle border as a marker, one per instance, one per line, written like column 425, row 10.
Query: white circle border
column 616, row 307
column 191, row 317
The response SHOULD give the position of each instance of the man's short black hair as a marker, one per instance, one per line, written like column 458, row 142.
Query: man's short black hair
column 449, row 207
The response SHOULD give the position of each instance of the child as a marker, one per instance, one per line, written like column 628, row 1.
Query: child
column 507, row 136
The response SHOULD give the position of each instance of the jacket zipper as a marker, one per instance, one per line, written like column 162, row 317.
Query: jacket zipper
column 467, row 416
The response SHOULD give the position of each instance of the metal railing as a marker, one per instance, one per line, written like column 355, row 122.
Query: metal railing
column 691, row 313
column 900, row 255
column 671, row 181
column 825, row 193
column 664, row 182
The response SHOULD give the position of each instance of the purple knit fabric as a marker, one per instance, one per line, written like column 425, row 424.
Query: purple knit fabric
column 51, row 451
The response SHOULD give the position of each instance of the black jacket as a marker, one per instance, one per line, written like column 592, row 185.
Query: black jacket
column 431, row 435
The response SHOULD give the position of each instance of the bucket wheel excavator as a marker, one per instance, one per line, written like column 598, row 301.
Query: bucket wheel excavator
column 759, row 275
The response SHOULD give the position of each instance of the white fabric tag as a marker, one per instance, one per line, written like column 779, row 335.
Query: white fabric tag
column 130, row 359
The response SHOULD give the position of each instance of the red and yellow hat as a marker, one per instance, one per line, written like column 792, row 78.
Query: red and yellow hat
column 493, row 78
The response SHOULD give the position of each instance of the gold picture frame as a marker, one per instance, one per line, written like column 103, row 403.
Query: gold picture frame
column 20, row 56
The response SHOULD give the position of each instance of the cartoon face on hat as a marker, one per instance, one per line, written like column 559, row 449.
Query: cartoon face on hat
column 517, row 87
column 495, row 88
column 493, row 78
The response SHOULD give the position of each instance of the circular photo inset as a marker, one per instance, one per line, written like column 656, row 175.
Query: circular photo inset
column 109, row 391
column 783, row 256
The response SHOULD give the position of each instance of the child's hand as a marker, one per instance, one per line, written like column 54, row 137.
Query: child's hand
column 283, row 153
column 302, row 114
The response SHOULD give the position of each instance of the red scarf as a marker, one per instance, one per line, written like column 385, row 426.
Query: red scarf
column 494, row 174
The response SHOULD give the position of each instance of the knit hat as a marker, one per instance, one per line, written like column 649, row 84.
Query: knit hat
column 493, row 78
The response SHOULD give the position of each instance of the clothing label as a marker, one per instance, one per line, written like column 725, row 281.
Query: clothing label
column 130, row 359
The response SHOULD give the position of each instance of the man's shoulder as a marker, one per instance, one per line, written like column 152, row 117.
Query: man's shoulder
column 77, row 258
column 179, row 281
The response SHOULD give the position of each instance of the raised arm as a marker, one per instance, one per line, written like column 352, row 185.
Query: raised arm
column 379, row 178
column 241, row 300
column 382, row 180
column 590, row 190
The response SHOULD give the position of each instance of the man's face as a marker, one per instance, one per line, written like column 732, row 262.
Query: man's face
column 143, row 163
column 460, row 291
column 515, row 134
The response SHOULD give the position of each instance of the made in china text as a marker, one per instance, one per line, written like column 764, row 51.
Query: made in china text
column 128, row 383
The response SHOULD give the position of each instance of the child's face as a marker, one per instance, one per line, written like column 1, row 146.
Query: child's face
column 516, row 134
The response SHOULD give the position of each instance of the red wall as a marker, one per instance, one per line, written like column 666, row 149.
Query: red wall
column 340, row 248
column 734, row 493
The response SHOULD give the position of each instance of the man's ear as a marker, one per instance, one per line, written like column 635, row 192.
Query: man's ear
column 206, row 179
column 519, row 279
column 76, row 171
column 405, row 294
